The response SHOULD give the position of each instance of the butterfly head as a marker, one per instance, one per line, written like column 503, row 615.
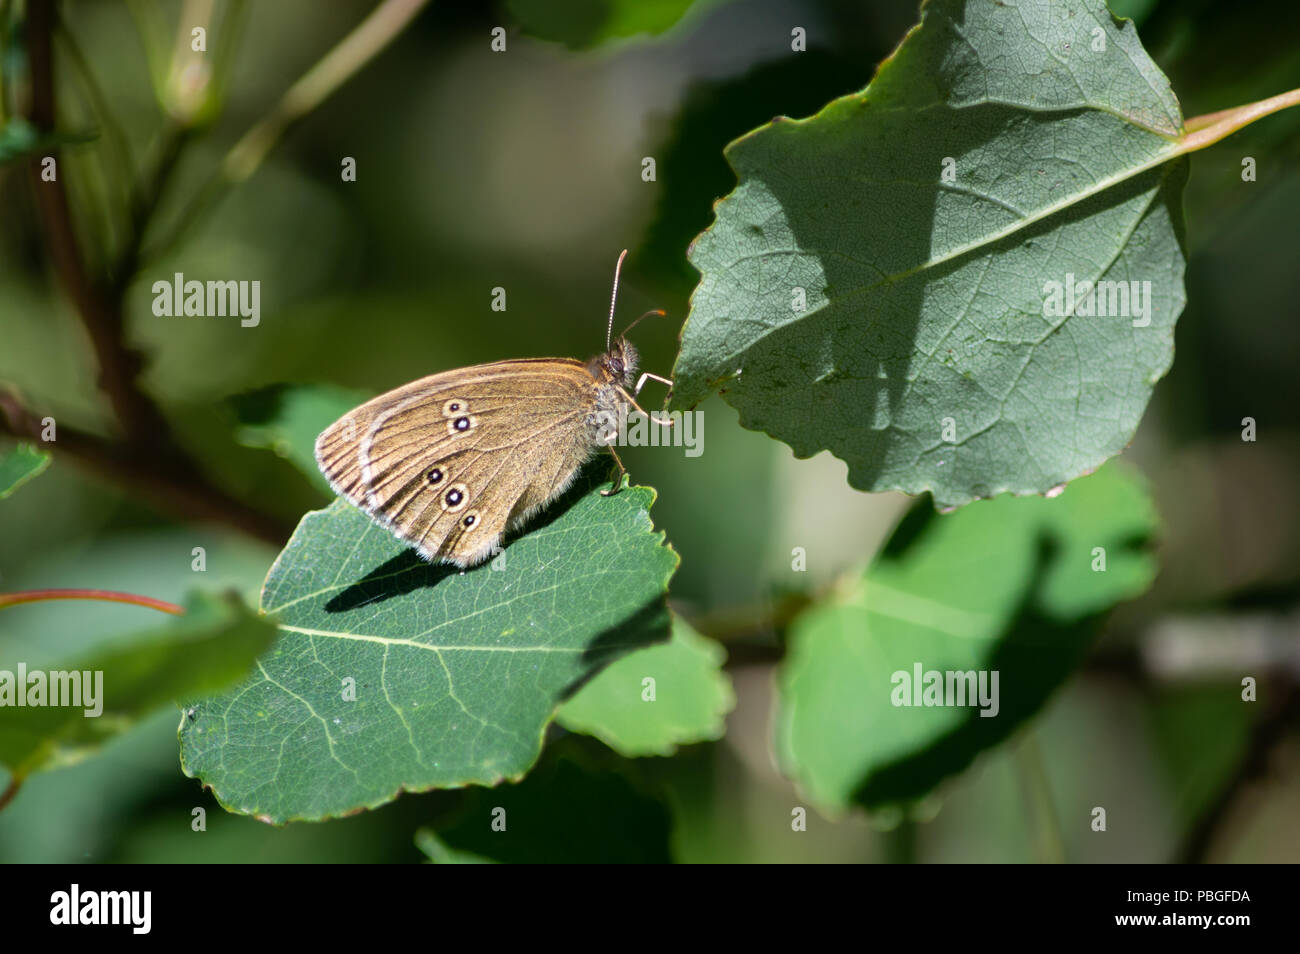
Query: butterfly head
column 618, row 364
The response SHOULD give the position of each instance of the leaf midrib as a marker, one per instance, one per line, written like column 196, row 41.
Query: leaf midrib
column 438, row 647
column 958, row 252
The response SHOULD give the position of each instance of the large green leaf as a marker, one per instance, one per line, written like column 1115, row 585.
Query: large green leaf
column 686, row 702
column 456, row 673
column 19, row 465
column 287, row 418
column 692, row 170
column 211, row 645
column 852, row 299
column 1011, row 585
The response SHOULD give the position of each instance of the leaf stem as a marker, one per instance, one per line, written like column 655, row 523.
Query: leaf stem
column 7, row 796
column 1202, row 131
column 1038, row 792
column 111, row 596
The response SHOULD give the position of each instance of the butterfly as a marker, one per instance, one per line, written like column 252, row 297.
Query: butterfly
column 449, row 463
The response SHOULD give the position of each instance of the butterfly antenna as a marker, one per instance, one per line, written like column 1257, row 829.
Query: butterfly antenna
column 653, row 311
column 609, row 329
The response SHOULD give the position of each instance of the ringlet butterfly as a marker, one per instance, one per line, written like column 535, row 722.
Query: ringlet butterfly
column 450, row 462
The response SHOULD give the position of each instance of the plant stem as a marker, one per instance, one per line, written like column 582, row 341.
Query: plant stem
column 1202, row 131
column 111, row 596
column 7, row 796
column 330, row 72
column 118, row 365
column 165, row 481
column 1038, row 794
column 148, row 461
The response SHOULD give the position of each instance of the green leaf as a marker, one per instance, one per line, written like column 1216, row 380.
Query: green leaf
column 581, row 24
column 457, row 673
column 213, row 644
column 19, row 466
column 692, row 170
column 1007, row 585
column 287, row 418
column 571, row 808
column 692, row 695
column 852, row 300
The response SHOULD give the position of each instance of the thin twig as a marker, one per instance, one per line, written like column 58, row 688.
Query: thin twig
column 353, row 52
column 118, row 144
column 108, row 596
column 146, row 197
column 7, row 796
column 1038, row 794
column 149, row 461
column 169, row 483
column 119, row 366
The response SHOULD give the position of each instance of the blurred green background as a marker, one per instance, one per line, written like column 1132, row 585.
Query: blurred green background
column 523, row 170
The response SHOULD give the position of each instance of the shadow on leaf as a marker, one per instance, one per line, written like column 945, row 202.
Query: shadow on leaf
column 408, row 571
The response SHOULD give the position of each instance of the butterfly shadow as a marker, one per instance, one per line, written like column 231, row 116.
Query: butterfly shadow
column 648, row 626
column 408, row 571
column 403, row 574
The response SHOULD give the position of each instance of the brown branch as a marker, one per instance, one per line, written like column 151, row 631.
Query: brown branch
column 101, row 313
column 173, row 484
column 145, row 198
column 148, row 462
column 7, row 796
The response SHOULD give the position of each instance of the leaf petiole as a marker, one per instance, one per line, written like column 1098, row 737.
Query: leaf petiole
column 112, row 596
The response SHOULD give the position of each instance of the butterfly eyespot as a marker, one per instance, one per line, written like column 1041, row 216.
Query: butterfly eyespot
column 469, row 520
column 454, row 406
column 460, row 425
column 435, row 476
column 455, row 498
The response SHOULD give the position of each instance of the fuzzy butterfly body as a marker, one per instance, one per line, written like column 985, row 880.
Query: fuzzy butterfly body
column 452, row 461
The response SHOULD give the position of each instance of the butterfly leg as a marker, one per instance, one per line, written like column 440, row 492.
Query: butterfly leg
column 631, row 400
column 618, row 478
column 640, row 383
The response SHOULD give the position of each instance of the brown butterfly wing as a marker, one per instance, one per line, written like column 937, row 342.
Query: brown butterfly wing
column 450, row 461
